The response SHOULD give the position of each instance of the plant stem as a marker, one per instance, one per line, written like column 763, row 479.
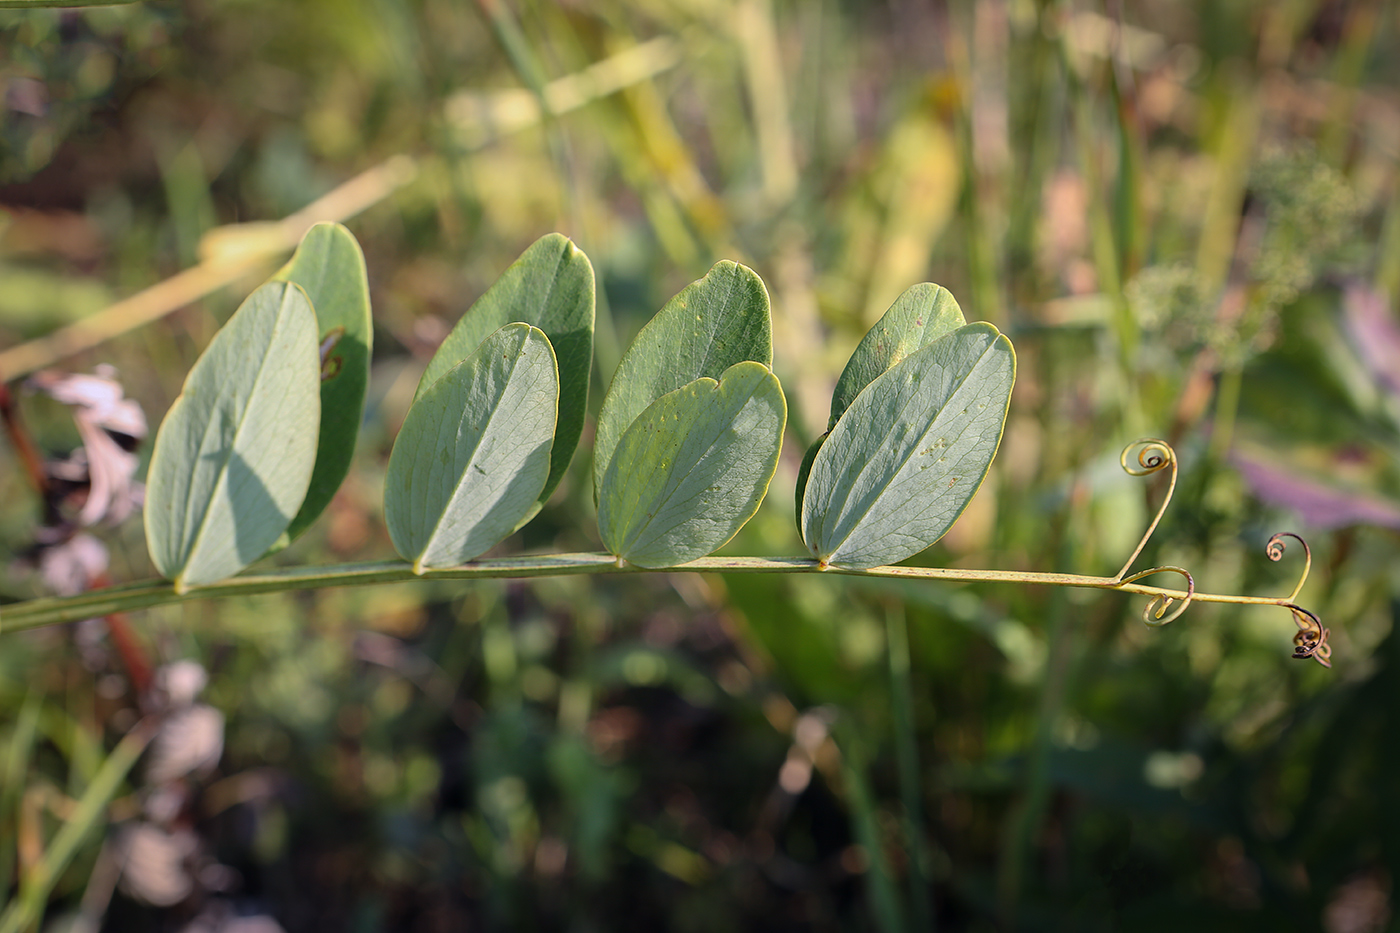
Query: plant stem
column 23, row 443
column 1023, row 824
column 527, row 66
column 879, row 880
column 126, row 597
column 14, row 774
column 28, row 907
column 906, row 749
column 1227, row 406
column 244, row 249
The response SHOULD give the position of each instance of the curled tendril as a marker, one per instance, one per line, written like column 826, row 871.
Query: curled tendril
column 1143, row 457
column 1311, row 640
column 1152, row 454
column 1275, row 549
column 1155, row 612
column 1149, row 455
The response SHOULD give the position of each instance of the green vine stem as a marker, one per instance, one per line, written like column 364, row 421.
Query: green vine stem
column 125, row 598
column 1140, row 458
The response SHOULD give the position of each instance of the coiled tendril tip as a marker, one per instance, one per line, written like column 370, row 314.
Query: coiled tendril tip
column 1155, row 612
column 1143, row 457
column 1275, row 548
column 1149, row 455
column 1311, row 640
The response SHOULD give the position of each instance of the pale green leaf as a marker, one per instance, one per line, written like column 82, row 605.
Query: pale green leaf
column 330, row 267
column 550, row 287
column 720, row 320
column 234, row 455
column 910, row 452
column 473, row 453
column 804, row 471
column 918, row 317
column 693, row 467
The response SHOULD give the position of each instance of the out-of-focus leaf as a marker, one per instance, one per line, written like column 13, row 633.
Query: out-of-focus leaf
column 473, row 454
column 910, row 452
column 80, row 820
column 593, row 794
column 713, row 323
column 809, row 660
column 918, row 174
column 693, row 467
column 35, row 301
column 550, row 287
column 1319, row 504
column 330, row 267
column 1375, row 333
column 234, row 455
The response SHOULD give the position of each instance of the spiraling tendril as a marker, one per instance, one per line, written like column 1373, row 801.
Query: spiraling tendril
column 1155, row 612
column 1152, row 454
column 1149, row 455
column 1275, row 549
column 1143, row 457
column 1311, row 640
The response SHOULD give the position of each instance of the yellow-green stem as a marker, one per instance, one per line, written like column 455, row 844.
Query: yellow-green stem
column 53, row 610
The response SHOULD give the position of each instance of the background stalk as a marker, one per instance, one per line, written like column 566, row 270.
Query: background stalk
column 906, row 748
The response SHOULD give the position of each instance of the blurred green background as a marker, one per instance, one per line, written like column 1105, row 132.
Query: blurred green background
column 1185, row 214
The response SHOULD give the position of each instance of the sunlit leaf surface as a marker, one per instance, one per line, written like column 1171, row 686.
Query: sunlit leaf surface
column 918, row 317
column 550, row 287
column 720, row 320
column 234, row 455
column 693, row 468
column 910, row 452
column 473, row 453
column 330, row 267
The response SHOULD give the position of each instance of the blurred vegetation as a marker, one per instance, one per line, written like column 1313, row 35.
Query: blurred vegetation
column 1186, row 215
